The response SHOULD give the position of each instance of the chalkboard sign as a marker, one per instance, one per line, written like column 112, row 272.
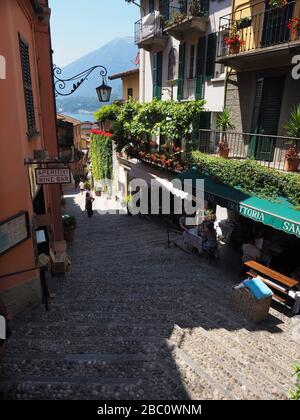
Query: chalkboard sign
column 14, row 231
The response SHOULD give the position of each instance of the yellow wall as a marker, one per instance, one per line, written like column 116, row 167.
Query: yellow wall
column 131, row 82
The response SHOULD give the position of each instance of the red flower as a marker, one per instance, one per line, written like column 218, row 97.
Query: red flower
column 101, row 133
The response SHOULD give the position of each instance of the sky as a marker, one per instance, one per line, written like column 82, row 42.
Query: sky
column 81, row 26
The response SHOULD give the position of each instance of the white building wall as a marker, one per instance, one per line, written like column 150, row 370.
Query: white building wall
column 214, row 90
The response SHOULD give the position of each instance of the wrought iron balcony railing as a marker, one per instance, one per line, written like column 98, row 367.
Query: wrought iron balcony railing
column 196, row 8
column 268, row 150
column 150, row 26
column 256, row 26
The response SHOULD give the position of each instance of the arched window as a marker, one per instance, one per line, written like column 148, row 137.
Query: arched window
column 172, row 65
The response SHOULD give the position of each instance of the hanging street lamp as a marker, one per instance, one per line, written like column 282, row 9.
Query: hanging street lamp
column 103, row 91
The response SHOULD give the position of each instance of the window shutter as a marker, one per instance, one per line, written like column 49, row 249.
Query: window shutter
column 29, row 102
column 200, row 65
column 211, row 55
column 192, row 61
column 157, row 75
column 164, row 9
column 181, row 71
column 184, row 6
column 151, row 6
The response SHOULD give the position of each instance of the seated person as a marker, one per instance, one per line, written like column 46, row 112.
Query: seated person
column 250, row 251
column 209, row 236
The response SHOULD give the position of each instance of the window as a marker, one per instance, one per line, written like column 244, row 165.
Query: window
column 29, row 102
column 151, row 6
column 172, row 64
column 200, row 67
column 181, row 72
column 129, row 93
column 192, row 62
column 211, row 55
column 164, row 8
column 157, row 74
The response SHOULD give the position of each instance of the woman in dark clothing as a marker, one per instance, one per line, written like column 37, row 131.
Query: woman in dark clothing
column 89, row 205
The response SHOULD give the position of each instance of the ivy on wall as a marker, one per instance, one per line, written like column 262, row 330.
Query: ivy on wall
column 250, row 177
column 101, row 156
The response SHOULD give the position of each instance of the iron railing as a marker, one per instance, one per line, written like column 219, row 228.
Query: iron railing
column 200, row 8
column 143, row 31
column 268, row 150
column 257, row 26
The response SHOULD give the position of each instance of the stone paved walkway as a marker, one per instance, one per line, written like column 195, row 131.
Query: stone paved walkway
column 135, row 320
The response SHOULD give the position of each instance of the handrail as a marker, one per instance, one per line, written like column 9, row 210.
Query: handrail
column 251, row 134
column 18, row 273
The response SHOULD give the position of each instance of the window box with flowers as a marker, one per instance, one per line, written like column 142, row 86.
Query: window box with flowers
column 277, row 3
column 234, row 43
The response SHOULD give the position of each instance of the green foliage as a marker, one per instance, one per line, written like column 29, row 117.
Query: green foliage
column 292, row 126
column 101, row 157
column 136, row 122
column 107, row 112
column 69, row 222
column 295, row 395
column 250, row 177
column 224, row 121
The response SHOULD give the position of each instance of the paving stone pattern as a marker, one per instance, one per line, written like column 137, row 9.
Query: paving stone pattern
column 135, row 320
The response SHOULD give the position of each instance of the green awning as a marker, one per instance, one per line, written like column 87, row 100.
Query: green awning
column 279, row 214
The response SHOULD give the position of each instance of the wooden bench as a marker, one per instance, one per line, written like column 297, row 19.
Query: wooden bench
column 278, row 283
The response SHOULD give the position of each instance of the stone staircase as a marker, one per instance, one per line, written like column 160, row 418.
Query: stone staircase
column 138, row 321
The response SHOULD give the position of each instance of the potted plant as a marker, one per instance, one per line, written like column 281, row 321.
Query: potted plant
column 224, row 123
column 234, row 42
column 294, row 26
column 69, row 224
column 292, row 127
column 196, row 9
column 244, row 23
column 277, row 3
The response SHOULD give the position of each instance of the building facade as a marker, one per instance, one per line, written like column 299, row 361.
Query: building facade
column 130, row 84
column 28, row 133
column 261, row 88
column 178, row 42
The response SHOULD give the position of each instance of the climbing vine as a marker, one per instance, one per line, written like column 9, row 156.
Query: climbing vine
column 101, row 156
column 251, row 177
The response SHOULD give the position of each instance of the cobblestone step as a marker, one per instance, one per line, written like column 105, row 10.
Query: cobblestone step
column 237, row 377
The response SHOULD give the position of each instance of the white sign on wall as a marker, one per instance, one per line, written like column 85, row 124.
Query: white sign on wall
column 53, row 176
column 2, row 68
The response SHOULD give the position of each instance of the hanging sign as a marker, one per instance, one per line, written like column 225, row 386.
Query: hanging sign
column 53, row 176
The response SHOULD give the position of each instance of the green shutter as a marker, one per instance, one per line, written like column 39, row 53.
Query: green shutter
column 181, row 71
column 164, row 8
column 211, row 55
column 157, row 75
column 200, row 66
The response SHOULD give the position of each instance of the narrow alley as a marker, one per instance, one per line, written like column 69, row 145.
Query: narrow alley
column 135, row 320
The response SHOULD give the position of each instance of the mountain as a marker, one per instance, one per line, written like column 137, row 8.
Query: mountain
column 116, row 56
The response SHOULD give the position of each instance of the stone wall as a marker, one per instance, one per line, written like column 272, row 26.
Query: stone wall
column 233, row 102
column 22, row 296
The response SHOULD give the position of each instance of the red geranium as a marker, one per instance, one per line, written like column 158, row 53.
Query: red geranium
column 101, row 133
column 234, row 40
column 293, row 24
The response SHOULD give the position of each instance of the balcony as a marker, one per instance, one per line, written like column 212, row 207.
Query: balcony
column 193, row 19
column 149, row 33
column 269, row 151
column 258, row 36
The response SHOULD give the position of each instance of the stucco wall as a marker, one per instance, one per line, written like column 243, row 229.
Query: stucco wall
column 131, row 82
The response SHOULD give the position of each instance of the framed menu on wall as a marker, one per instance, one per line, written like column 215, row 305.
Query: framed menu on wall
column 14, row 231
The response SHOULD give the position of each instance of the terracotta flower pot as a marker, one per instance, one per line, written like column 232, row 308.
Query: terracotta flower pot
column 224, row 152
column 292, row 164
column 234, row 48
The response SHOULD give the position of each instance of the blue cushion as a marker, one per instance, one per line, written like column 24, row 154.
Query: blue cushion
column 258, row 288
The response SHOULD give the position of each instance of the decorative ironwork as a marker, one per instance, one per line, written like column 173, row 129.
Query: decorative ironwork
column 61, row 84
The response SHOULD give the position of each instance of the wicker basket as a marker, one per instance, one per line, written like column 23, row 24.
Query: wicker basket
column 245, row 303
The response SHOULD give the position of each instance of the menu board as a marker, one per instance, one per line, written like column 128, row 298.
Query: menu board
column 14, row 231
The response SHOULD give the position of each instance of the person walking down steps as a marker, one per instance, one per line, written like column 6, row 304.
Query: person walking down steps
column 89, row 205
